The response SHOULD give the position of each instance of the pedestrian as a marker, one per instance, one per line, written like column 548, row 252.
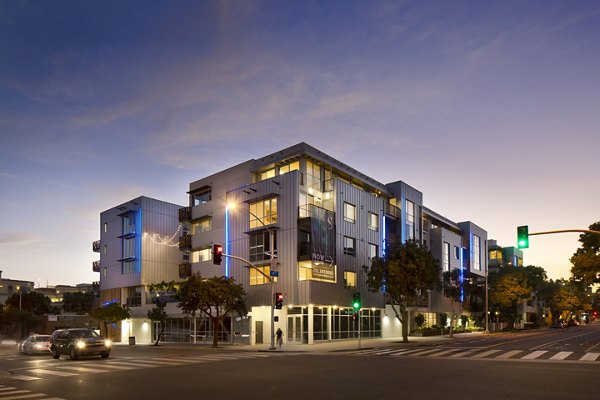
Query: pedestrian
column 279, row 335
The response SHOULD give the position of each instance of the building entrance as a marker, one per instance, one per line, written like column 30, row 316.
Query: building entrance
column 294, row 329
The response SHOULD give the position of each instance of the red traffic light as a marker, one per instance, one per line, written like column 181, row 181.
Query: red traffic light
column 217, row 254
column 279, row 301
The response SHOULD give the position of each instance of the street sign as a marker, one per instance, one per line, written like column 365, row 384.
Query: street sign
column 274, row 273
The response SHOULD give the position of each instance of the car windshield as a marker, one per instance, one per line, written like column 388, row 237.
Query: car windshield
column 42, row 338
column 83, row 334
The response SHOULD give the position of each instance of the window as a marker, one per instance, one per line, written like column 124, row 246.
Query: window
column 476, row 255
column 446, row 257
column 263, row 213
column 129, row 248
column 104, row 272
column 203, row 225
column 373, row 221
column 293, row 166
column 349, row 246
column 457, row 252
column 202, row 197
column 309, row 271
column 260, row 249
column 313, row 176
column 256, row 278
column 519, row 261
column 104, row 249
column 373, row 251
column 349, row 279
column 105, row 227
column 202, row 255
column 496, row 255
column 410, row 220
column 127, row 267
column 266, row 175
column 349, row 212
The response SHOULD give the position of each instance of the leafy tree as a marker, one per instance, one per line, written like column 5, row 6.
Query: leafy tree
column 451, row 289
column 586, row 260
column 406, row 270
column 15, row 322
column 215, row 297
column 509, row 287
column 78, row 302
column 110, row 314
column 161, row 292
column 34, row 302
column 419, row 320
column 536, row 277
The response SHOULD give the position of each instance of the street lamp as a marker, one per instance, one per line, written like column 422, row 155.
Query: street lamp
column 272, row 258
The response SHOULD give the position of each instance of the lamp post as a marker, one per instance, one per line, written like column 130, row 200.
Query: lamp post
column 272, row 258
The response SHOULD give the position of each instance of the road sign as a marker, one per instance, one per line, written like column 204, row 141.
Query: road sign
column 274, row 273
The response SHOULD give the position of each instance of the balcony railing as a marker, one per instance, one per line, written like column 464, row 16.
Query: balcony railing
column 185, row 270
column 96, row 266
column 185, row 242
column 96, row 246
column 391, row 210
column 134, row 301
column 185, row 214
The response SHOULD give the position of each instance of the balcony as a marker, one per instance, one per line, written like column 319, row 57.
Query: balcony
column 185, row 270
column 96, row 266
column 96, row 246
column 391, row 210
column 185, row 242
column 185, row 214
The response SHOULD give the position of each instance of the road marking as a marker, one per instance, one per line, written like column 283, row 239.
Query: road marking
column 131, row 364
column 25, row 377
column 111, row 366
column 441, row 353
column 534, row 355
column 81, row 369
column 51, row 372
column 387, row 351
column 590, row 357
column 509, row 354
column 486, row 353
column 25, row 396
column 3, row 388
column 561, row 355
column 464, row 353
column 420, row 353
column 156, row 362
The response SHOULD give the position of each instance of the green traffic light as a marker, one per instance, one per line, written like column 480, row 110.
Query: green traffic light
column 523, row 237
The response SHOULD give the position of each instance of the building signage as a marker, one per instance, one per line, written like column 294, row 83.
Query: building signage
column 323, row 243
column 324, row 272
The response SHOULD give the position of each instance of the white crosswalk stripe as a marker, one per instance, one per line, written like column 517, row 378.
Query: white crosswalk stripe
column 590, row 357
column 534, row 355
column 509, row 354
column 561, row 355
column 11, row 393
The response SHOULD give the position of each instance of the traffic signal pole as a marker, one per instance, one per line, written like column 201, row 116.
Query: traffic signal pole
column 565, row 231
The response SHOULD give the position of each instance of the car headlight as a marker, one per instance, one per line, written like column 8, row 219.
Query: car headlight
column 107, row 343
column 80, row 344
column 38, row 346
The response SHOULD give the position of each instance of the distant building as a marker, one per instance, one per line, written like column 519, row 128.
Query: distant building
column 9, row 287
column 499, row 256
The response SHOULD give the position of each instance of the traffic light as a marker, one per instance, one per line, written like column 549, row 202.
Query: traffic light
column 217, row 254
column 356, row 302
column 523, row 237
column 278, row 300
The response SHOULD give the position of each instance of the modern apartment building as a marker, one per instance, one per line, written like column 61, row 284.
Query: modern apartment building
column 138, row 247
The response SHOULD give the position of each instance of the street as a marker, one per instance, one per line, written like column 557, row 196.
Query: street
column 537, row 364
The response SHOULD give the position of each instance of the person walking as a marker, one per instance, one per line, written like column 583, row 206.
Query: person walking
column 279, row 335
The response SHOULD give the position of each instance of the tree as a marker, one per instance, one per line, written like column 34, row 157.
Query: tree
column 215, row 297
column 110, row 314
column 509, row 287
column 451, row 289
column 419, row 320
column 78, row 302
column 34, row 302
column 160, row 294
column 405, row 270
column 586, row 260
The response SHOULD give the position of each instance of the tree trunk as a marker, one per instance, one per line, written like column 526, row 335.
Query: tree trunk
column 215, row 321
column 162, row 330
column 404, row 323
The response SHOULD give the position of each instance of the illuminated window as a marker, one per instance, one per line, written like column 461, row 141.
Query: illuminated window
column 256, row 278
column 476, row 253
column 263, row 213
column 373, row 221
column 410, row 219
column 349, row 279
column 308, row 271
column 105, row 227
column 202, row 255
column 293, row 166
column 260, row 249
column 313, row 176
column 373, row 251
column 519, row 262
column 203, row 225
column 446, row 256
column 202, row 197
column 266, row 175
column 349, row 246
column 349, row 212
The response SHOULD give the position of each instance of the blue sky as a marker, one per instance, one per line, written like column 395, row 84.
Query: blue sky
column 490, row 108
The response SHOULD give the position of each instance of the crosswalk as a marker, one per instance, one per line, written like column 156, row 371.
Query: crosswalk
column 66, row 368
column 13, row 393
column 478, row 353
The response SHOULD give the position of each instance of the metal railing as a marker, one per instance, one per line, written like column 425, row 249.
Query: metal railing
column 96, row 246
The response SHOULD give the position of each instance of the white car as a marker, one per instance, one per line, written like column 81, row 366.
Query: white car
column 35, row 344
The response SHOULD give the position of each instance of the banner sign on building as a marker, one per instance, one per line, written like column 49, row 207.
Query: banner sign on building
column 323, row 243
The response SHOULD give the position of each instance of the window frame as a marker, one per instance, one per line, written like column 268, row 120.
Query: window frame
column 347, row 208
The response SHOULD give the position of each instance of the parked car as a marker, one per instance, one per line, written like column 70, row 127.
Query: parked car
column 78, row 342
column 35, row 344
column 558, row 324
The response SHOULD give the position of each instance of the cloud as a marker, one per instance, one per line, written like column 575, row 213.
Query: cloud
column 19, row 239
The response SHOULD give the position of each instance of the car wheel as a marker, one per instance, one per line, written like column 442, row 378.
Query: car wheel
column 73, row 354
column 105, row 354
column 55, row 353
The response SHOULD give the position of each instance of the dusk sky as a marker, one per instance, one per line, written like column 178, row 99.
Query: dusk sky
column 490, row 108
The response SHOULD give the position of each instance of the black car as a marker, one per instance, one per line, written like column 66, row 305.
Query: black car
column 78, row 342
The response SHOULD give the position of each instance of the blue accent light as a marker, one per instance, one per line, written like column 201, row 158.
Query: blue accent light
column 383, row 237
column 227, row 241
column 138, row 241
column 462, row 276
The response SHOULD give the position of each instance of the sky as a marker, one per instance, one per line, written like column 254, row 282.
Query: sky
column 490, row 108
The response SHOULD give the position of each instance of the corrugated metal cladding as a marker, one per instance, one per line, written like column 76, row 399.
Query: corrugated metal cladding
column 286, row 189
column 158, row 262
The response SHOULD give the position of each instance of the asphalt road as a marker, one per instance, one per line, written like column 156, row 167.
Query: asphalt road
column 428, row 371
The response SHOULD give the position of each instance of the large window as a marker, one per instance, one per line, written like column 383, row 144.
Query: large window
column 349, row 246
column 410, row 220
column 349, row 212
column 256, row 278
column 260, row 249
column 373, row 221
column 313, row 176
column 446, row 257
column 203, row 225
column 267, row 174
column 128, row 248
column 202, row 255
column 349, row 279
column 263, row 213
column 373, row 251
column 284, row 169
column 202, row 197
column 476, row 253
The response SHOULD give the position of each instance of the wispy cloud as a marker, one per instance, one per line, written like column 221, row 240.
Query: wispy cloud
column 19, row 239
